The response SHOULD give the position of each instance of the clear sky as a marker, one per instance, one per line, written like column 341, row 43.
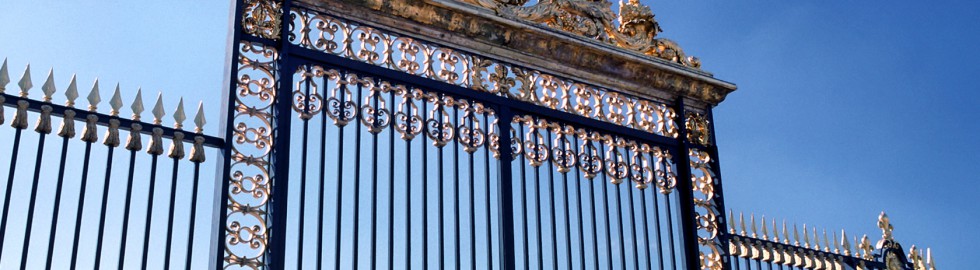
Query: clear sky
column 844, row 109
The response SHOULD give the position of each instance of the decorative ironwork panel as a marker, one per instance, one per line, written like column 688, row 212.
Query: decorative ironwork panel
column 328, row 34
column 247, row 228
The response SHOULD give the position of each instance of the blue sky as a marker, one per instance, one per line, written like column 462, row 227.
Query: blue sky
column 844, row 109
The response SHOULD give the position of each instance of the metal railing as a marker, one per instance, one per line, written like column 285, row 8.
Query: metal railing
column 70, row 207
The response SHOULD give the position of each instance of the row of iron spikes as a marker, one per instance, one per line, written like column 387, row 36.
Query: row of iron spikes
column 842, row 247
column 94, row 98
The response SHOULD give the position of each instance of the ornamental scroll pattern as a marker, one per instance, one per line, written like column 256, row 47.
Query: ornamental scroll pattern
column 706, row 209
column 320, row 32
column 635, row 27
column 413, row 112
column 246, row 230
column 591, row 153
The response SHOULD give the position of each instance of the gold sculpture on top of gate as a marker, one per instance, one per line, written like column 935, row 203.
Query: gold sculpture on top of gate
column 637, row 29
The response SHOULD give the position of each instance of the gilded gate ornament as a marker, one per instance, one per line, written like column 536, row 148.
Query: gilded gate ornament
column 637, row 29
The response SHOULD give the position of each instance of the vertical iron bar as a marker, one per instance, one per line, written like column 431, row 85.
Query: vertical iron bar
column 551, row 194
column 280, row 159
column 105, row 202
column 323, row 181
column 537, row 196
column 619, row 207
column 632, row 224
column 605, row 202
column 524, row 208
column 442, row 222
column 357, row 176
column 643, row 215
column 486, row 172
column 391, row 182
column 190, row 223
column 455, row 122
column 670, row 230
column 33, row 201
column 149, row 209
column 57, row 200
column 408, row 182
column 303, row 163
column 375, row 91
column 595, row 237
column 472, row 200
column 656, row 224
column 170, row 215
column 568, row 222
column 686, row 194
column 10, row 187
column 425, row 187
column 578, row 199
column 506, row 217
column 81, row 205
column 340, row 171
column 129, row 198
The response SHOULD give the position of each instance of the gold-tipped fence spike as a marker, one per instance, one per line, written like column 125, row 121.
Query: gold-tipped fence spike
column 741, row 221
column 116, row 103
column 836, row 244
column 765, row 231
column 785, row 233
column 48, row 88
column 25, row 82
column 199, row 120
column 157, row 111
column 844, row 244
column 179, row 115
column 775, row 232
column 816, row 239
column 94, row 97
column 796, row 234
column 72, row 92
column 826, row 243
column 754, row 227
column 930, row 260
column 731, row 225
column 137, row 106
column 4, row 76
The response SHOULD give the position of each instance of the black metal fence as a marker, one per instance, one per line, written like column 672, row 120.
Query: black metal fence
column 104, row 197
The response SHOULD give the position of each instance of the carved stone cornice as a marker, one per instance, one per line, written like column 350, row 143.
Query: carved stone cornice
column 596, row 60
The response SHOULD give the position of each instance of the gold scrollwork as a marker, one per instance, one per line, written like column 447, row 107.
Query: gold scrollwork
column 262, row 18
column 697, row 129
column 246, row 230
column 637, row 28
column 321, row 32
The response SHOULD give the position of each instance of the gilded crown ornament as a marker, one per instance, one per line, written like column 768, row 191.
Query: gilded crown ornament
column 637, row 29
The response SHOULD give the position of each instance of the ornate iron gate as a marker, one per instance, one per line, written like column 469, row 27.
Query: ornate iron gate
column 477, row 134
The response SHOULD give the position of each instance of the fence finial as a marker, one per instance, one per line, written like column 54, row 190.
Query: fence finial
column 199, row 120
column 785, row 233
column 4, row 76
column 886, row 226
column 94, row 97
column 157, row 111
column 865, row 247
column 179, row 116
column 775, row 232
column 929, row 259
column 826, row 243
column 731, row 219
column 754, row 227
column 72, row 92
column 25, row 82
column 137, row 106
column 844, row 244
column 796, row 234
column 836, row 244
column 741, row 221
column 48, row 88
column 115, row 103
column 765, row 231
